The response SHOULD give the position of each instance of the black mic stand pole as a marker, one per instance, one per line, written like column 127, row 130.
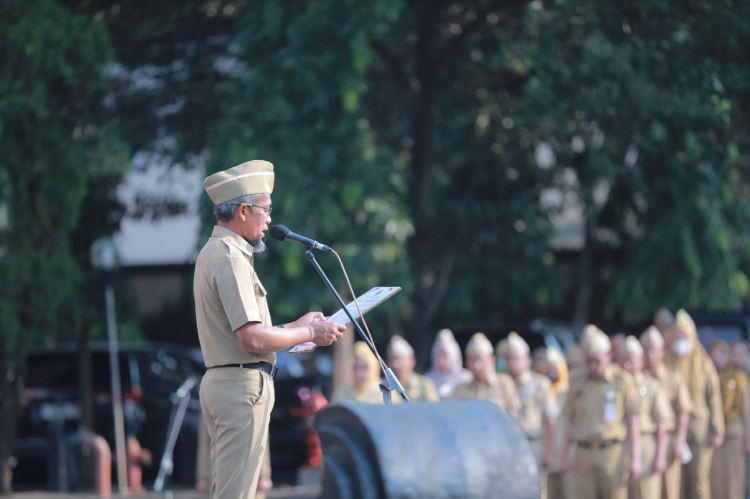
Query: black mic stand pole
column 392, row 380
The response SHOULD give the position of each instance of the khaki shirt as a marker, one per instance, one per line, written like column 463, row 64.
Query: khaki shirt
column 498, row 388
column 372, row 395
column 599, row 407
column 676, row 391
column 228, row 295
column 418, row 388
column 538, row 403
column 654, row 406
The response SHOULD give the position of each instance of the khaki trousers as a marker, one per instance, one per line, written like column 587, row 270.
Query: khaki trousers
column 695, row 474
column 599, row 473
column 670, row 484
column 649, row 485
column 236, row 405
column 728, row 470
column 537, row 447
column 560, row 485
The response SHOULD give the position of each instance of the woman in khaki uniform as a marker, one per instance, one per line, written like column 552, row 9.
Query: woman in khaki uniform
column 447, row 364
column 706, row 427
column 559, row 482
column 366, row 379
column 728, row 465
column 653, row 416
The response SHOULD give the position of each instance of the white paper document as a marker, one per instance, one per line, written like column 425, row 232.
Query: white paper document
column 367, row 302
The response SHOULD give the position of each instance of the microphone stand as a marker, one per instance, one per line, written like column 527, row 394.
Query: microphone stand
column 391, row 378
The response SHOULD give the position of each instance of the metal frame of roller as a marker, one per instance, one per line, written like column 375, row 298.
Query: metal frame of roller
column 447, row 450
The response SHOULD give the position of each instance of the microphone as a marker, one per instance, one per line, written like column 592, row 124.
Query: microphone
column 281, row 233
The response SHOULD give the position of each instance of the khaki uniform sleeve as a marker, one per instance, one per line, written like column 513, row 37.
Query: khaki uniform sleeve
column 632, row 399
column 236, row 288
column 715, row 407
column 551, row 409
column 684, row 403
column 662, row 408
column 567, row 408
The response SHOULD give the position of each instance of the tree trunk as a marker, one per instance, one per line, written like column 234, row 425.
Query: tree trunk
column 11, row 383
column 421, row 244
column 584, row 283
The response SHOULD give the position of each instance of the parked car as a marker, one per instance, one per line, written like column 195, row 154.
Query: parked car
column 150, row 374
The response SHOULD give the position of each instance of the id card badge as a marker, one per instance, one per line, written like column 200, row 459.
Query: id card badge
column 610, row 409
column 610, row 412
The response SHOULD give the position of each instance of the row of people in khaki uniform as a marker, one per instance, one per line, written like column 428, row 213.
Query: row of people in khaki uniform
column 610, row 420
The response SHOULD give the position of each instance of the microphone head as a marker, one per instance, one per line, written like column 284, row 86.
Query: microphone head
column 279, row 232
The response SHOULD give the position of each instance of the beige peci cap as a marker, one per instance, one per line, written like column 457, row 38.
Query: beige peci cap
column 597, row 343
column 633, row 346
column 651, row 337
column 399, row 347
column 479, row 345
column 253, row 177
column 517, row 344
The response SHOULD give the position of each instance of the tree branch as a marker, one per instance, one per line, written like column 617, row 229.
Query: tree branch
column 396, row 63
column 455, row 44
column 446, row 269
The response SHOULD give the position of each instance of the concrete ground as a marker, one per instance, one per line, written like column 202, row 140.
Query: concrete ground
column 282, row 492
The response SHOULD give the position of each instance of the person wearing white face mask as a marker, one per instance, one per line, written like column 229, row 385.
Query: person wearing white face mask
column 706, row 427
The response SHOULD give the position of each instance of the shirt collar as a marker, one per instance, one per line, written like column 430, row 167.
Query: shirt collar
column 609, row 374
column 524, row 378
column 234, row 239
column 491, row 380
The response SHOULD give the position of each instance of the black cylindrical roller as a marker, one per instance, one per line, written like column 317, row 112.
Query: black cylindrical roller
column 446, row 450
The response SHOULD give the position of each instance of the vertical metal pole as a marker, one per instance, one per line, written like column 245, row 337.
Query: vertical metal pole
column 114, row 363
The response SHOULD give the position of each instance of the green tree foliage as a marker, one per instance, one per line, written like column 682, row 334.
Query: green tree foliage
column 377, row 117
column 417, row 126
column 648, row 104
column 52, row 151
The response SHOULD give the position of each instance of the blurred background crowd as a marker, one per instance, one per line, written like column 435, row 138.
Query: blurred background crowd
column 656, row 415
column 513, row 165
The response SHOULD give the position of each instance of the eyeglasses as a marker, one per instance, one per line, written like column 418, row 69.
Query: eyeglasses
column 267, row 208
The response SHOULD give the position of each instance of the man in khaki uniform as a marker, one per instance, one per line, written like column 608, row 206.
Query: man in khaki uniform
column 401, row 359
column 539, row 409
column 203, row 465
column 653, row 416
column 235, row 330
column 486, row 384
column 602, row 412
column 679, row 397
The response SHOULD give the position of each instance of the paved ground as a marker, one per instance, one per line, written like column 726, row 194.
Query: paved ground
column 283, row 492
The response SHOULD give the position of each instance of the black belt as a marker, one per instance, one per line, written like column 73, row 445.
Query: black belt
column 600, row 445
column 262, row 366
